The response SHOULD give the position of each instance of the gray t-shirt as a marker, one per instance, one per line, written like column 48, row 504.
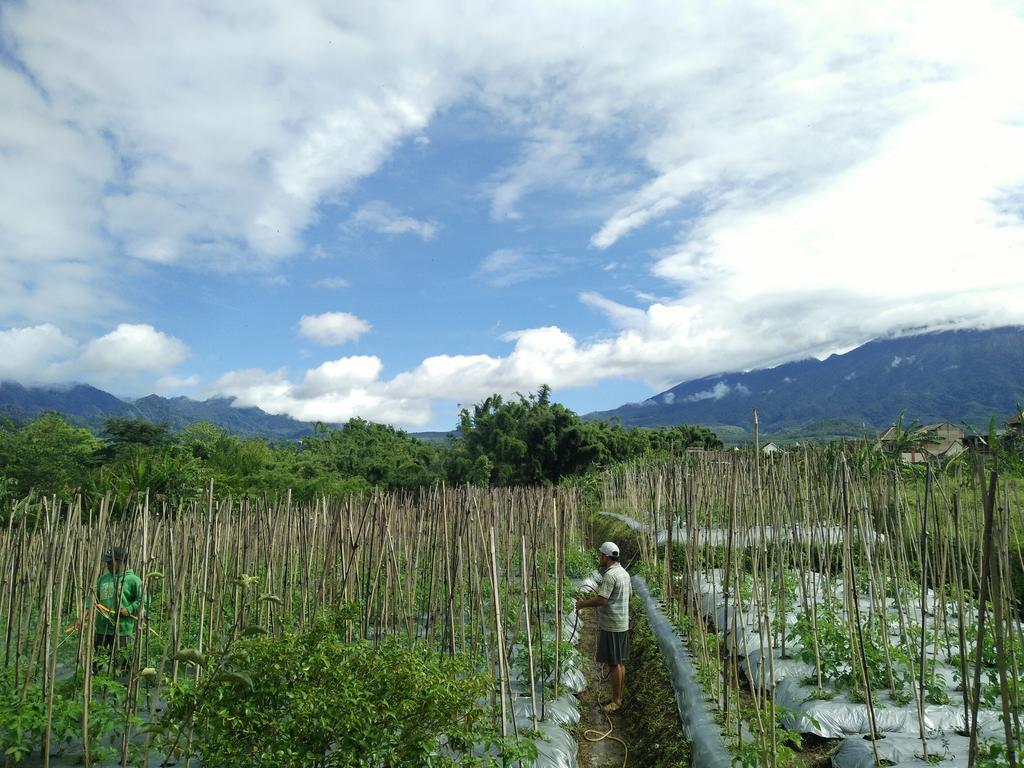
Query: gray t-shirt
column 613, row 616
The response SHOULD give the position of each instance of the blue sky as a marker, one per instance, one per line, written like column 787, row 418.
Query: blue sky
column 386, row 209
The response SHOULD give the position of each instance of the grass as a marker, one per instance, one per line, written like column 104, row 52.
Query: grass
column 650, row 720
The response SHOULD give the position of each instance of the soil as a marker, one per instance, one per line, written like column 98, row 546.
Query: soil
column 648, row 721
column 607, row 752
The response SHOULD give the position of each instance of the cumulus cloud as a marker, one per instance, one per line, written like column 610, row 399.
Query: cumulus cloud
column 339, row 375
column 44, row 354
column 380, row 217
column 332, row 328
column 335, row 392
column 133, row 348
column 34, row 355
column 830, row 173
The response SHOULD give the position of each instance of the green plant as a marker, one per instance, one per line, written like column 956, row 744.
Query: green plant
column 820, row 694
column 991, row 754
column 578, row 563
column 314, row 700
column 755, row 754
column 544, row 658
column 106, row 710
column 831, row 639
column 22, row 719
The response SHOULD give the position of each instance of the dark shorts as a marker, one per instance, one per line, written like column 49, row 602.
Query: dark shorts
column 104, row 641
column 107, row 641
column 612, row 647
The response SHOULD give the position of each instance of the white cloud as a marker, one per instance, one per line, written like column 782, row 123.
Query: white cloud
column 620, row 315
column 34, row 355
column 551, row 157
column 44, row 354
column 339, row 375
column 508, row 266
column 717, row 392
column 211, row 153
column 897, row 361
column 132, row 348
column 838, row 172
column 332, row 328
column 173, row 385
column 332, row 283
column 380, row 217
column 274, row 393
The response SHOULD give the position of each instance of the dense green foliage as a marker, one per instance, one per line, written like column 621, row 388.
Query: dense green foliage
column 314, row 699
column 23, row 714
column 523, row 441
column 531, row 440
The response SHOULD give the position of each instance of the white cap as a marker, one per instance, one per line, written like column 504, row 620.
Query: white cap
column 609, row 548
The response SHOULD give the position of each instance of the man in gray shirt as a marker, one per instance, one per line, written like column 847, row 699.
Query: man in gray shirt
column 612, row 603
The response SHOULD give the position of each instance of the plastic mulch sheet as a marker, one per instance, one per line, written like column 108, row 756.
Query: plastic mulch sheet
column 706, row 746
column 556, row 748
column 744, row 538
column 902, row 751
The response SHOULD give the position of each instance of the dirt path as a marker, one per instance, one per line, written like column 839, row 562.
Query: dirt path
column 606, row 753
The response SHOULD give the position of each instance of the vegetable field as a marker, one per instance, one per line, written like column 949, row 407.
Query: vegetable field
column 864, row 611
column 817, row 608
column 399, row 629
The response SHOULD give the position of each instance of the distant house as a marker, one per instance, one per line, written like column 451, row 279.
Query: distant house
column 976, row 443
column 1016, row 423
column 770, row 448
column 932, row 441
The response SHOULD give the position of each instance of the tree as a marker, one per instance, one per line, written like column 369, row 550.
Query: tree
column 530, row 440
column 124, row 432
column 47, row 455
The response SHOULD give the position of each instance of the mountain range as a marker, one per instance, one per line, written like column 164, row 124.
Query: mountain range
column 959, row 376
column 89, row 406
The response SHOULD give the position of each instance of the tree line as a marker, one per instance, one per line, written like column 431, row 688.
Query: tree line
column 524, row 440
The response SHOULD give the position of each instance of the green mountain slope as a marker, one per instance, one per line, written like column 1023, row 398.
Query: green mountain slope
column 89, row 406
column 958, row 376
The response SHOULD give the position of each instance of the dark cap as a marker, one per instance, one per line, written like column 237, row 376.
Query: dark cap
column 117, row 553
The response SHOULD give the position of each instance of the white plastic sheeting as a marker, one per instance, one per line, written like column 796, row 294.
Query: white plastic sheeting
column 748, row 536
column 556, row 748
column 751, row 632
column 841, row 716
column 904, row 751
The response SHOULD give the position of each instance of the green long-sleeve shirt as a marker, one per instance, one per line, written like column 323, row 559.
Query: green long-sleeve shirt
column 107, row 595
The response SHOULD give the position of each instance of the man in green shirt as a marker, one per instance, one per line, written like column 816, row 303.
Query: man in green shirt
column 119, row 599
